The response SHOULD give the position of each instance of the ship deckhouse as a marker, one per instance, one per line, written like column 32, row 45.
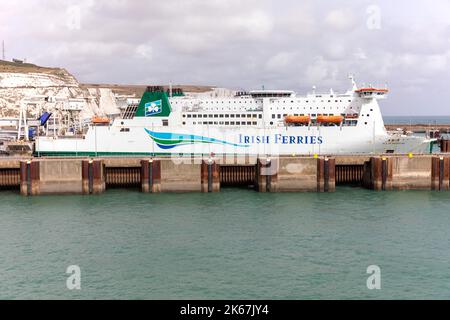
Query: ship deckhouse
column 261, row 109
column 270, row 108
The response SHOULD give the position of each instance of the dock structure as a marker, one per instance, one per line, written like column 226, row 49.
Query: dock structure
column 45, row 176
column 419, row 128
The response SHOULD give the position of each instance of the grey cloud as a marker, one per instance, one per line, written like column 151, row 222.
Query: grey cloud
column 279, row 44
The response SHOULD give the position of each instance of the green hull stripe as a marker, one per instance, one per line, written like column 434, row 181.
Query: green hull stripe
column 94, row 154
column 118, row 154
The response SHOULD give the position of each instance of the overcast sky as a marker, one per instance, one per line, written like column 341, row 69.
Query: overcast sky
column 283, row 44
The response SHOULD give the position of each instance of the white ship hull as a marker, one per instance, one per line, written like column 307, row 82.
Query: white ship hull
column 239, row 141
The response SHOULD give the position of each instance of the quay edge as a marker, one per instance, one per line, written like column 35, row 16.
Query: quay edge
column 42, row 176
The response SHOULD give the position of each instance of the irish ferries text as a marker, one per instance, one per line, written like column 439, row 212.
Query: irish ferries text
column 279, row 139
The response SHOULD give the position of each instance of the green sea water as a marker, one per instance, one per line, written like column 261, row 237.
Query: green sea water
column 236, row 244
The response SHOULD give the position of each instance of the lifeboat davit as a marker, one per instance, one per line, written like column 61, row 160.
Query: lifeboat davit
column 297, row 119
column 330, row 119
column 100, row 120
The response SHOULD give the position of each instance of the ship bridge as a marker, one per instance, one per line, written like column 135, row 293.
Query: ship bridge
column 372, row 93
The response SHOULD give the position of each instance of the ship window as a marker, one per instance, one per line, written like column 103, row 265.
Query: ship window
column 194, row 122
column 231, row 115
column 210, row 122
column 279, row 116
column 194, row 116
column 227, row 116
column 184, row 123
column 184, row 116
column 232, row 123
column 221, row 116
column 124, row 129
column 188, row 115
column 254, row 123
column 260, row 116
column 249, row 123
column 165, row 123
column 273, row 116
column 365, row 122
column 238, row 116
column 216, row 116
column 215, row 122
column 227, row 123
column 271, row 122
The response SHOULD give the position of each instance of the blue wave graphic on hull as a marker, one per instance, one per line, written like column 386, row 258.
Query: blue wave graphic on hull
column 169, row 140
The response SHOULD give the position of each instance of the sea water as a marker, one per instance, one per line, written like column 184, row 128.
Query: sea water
column 236, row 244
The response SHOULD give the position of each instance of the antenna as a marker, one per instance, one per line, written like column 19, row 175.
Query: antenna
column 3, row 50
column 352, row 79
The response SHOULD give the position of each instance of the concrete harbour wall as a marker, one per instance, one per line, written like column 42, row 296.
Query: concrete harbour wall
column 39, row 176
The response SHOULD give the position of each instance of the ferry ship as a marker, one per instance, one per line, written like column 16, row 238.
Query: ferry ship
column 260, row 122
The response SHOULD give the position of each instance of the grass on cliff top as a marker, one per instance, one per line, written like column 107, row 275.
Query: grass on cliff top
column 13, row 67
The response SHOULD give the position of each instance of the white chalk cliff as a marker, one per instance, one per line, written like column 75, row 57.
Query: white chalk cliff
column 19, row 81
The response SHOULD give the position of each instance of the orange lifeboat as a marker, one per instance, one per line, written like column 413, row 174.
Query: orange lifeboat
column 330, row 119
column 100, row 120
column 297, row 119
